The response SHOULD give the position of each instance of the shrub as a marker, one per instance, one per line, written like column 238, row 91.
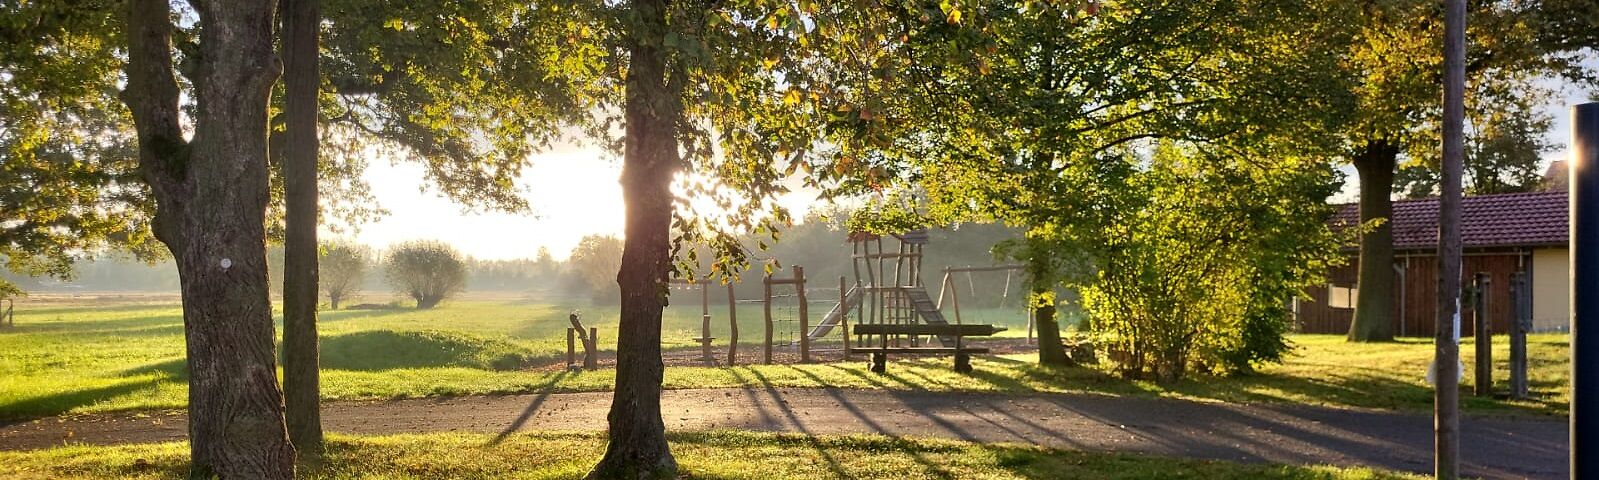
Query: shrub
column 427, row 270
column 1196, row 271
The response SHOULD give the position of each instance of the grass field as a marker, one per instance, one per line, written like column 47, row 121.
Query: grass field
column 99, row 357
column 712, row 455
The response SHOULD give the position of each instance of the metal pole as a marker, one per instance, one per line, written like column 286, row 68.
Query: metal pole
column 1446, row 396
column 1584, row 175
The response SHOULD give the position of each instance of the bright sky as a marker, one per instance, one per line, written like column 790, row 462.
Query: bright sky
column 572, row 189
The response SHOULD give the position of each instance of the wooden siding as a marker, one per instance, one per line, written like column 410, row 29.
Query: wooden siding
column 1416, row 304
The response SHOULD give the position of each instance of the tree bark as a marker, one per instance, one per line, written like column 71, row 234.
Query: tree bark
column 1050, row 349
column 211, row 196
column 301, row 379
column 1374, row 302
column 638, row 447
column 1446, row 396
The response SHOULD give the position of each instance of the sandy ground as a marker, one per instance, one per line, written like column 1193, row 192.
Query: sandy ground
column 1493, row 447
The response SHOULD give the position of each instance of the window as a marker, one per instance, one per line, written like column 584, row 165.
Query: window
column 1341, row 297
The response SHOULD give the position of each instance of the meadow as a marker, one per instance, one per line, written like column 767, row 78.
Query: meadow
column 68, row 356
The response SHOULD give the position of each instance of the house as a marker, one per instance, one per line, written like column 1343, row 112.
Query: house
column 1501, row 234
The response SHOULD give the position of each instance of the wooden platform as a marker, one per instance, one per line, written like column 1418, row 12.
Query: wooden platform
column 964, row 330
column 922, row 350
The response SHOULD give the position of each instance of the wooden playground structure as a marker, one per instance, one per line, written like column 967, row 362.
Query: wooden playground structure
column 891, row 310
column 894, row 313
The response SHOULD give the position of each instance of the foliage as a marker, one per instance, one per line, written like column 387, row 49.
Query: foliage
column 68, row 184
column 594, row 262
column 426, row 270
column 1196, row 271
column 1517, row 50
column 1041, row 115
column 467, row 89
column 341, row 268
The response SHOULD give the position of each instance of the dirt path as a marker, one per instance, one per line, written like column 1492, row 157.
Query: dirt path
column 1493, row 447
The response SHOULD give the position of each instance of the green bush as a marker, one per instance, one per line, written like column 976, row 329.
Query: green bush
column 1197, row 266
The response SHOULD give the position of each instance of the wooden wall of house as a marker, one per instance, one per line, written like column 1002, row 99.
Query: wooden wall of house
column 1417, row 308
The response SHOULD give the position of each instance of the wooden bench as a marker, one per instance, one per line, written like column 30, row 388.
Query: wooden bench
column 963, row 361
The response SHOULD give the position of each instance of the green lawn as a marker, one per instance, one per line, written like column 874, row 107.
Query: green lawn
column 98, row 358
column 713, row 455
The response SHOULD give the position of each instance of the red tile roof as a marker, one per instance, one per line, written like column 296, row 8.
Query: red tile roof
column 1503, row 220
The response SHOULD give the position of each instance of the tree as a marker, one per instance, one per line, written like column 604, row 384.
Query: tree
column 211, row 195
column 68, row 157
column 595, row 260
column 1198, row 265
column 1395, row 61
column 426, row 270
column 1037, row 114
column 301, row 81
column 341, row 270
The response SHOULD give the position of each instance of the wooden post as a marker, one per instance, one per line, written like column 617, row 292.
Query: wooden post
column 1519, row 324
column 571, row 348
column 732, row 326
column 804, row 315
column 843, row 315
column 591, row 358
column 705, row 322
column 1446, row 392
column 766, row 352
column 1484, row 384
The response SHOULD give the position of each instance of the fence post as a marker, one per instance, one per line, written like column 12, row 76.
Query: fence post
column 843, row 316
column 766, row 302
column 1484, row 384
column 732, row 326
column 705, row 323
column 804, row 315
column 591, row 356
column 1518, row 335
column 571, row 348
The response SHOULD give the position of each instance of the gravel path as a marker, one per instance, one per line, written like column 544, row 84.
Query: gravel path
column 1494, row 447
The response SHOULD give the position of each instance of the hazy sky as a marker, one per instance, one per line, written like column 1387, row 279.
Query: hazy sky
column 574, row 192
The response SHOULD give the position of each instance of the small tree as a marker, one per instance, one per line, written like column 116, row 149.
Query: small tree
column 342, row 268
column 427, row 270
column 595, row 261
column 1200, row 260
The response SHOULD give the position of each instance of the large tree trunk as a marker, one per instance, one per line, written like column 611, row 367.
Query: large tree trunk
column 1374, row 304
column 211, row 197
column 301, row 380
column 638, row 447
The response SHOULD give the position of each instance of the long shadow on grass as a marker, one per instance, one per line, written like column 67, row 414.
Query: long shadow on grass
column 532, row 407
column 62, row 402
column 793, row 418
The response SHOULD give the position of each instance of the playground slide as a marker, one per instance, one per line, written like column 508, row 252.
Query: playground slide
column 918, row 297
column 851, row 299
column 929, row 312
